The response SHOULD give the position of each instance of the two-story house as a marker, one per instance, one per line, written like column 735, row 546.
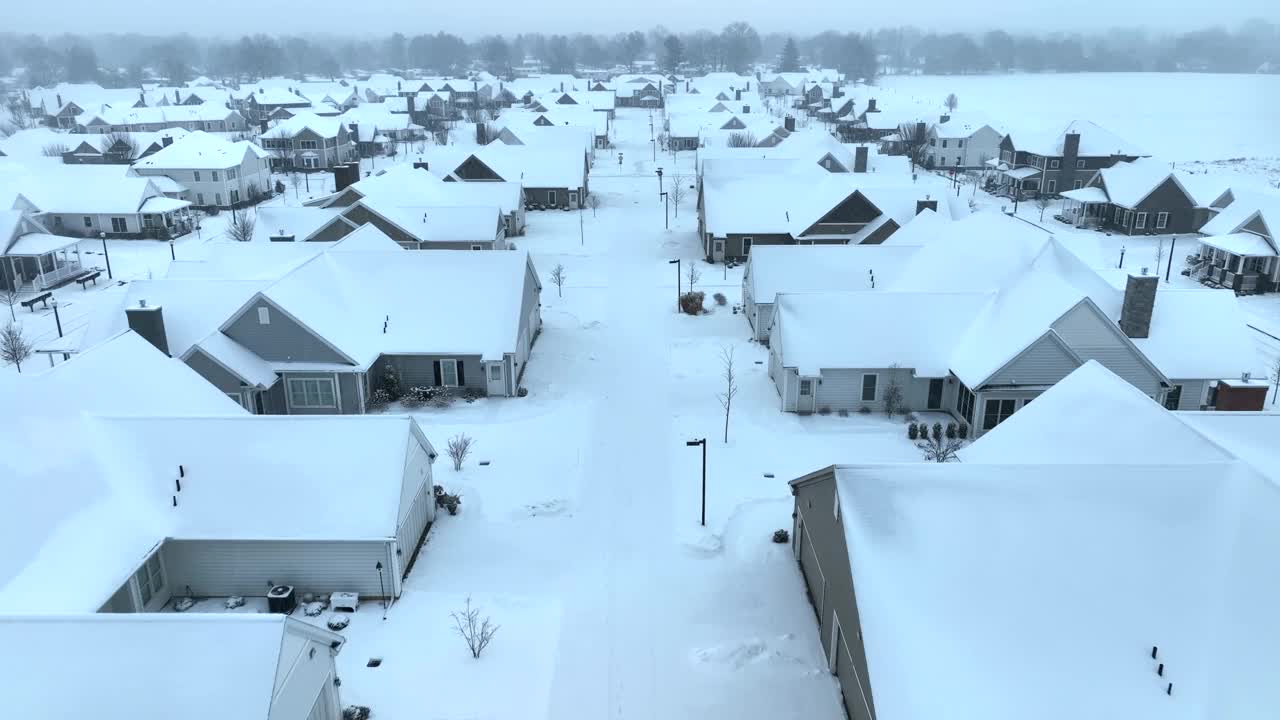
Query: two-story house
column 214, row 171
column 1062, row 161
column 962, row 141
column 308, row 141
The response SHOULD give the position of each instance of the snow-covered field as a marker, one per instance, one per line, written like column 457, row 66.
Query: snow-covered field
column 1177, row 116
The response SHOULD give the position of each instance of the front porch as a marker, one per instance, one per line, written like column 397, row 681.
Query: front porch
column 1241, row 262
column 40, row 261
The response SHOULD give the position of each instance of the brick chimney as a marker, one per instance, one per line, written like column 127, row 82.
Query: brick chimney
column 1071, row 147
column 789, row 123
column 1139, row 303
column 943, row 119
column 871, row 105
column 177, row 99
column 166, row 141
column 148, row 322
column 737, row 95
column 860, row 160
column 420, row 165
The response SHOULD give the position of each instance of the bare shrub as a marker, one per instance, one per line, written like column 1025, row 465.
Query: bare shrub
column 477, row 632
column 558, row 278
column 14, row 346
column 459, row 449
column 691, row 303
column 938, row 448
column 241, row 226
column 730, row 387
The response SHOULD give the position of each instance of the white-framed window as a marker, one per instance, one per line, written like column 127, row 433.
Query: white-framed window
column 312, row 393
column 232, row 174
column 199, row 198
column 1053, row 164
column 150, row 578
column 235, row 196
column 806, row 387
column 264, row 315
column 997, row 411
column 197, row 175
column 88, row 221
column 1079, row 164
column 551, row 197
column 215, row 176
column 961, row 142
column 1077, row 184
column 1141, row 222
column 1117, row 216
column 119, row 225
column 495, row 372
column 449, row 373
column 1162, row 220
column 870, row 386
column 308, row 144
column 746, row 245
column 944, row 142
column 1128, row 218
column 1051, row 186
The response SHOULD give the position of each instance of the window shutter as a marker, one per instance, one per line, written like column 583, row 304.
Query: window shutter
column 461, row 378
column 435, row 364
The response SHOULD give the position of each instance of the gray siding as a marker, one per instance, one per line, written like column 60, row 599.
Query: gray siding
column 530, row 318
column 1193, row 393
column 419, row 370
column 819, row 540
column 346, row 387
column 281, row 340
column 213, row 372
column 248, row 567
column 1044, row 362
column 842, row 389
column 1094, row 337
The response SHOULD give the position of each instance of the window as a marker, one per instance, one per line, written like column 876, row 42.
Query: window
column 960, row 142
column 495, row 372
column 996, row 412
column 551, row 197
column 806, row 387
column 1141, row 221
column 449, row 373
column 1173, row 398
column 1116, row 218
column 1128, row 218
column 1162, row 220
column 150, row 578
column 88, row 221
column 869, row 383
column 944, row 142
column 119, row 225
column 746, row 245
column 957, row 161
column 307, row 144
column 235, row 196
column 477, row 247
column 264, row 316
column 312, row 393
column 1051, row 186
column 217, row 198
column 199, row 198
column 215, row 176
column 1053, row 164
column 197, row 176
column 964, row 403
column 1079, row 164
column 232, row 174
column 1077, row 184
column 933, row 142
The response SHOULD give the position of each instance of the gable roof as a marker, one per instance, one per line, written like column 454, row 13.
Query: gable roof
column 200, row 150
column 1129, row 183
column 326, row 127
column 1095, row 141
column 774, row 269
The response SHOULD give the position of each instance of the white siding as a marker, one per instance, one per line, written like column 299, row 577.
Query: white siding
column 248, row 567
column 840, row 390
column 304, row 675
column 1193, row 393
column 417, row 502
column 1045, row 362
column 1094, row 337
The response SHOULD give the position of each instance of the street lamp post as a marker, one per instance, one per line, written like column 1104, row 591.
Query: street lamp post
column 676, row 262
column 171, row 255
column 659, row 171
column 703, row 443
column 105, row 254
column 666, row 207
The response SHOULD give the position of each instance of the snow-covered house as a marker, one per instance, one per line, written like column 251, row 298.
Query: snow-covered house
column 1241, row 247
column 1056, row 162
column 1005, row 580
column 210, row 117
column 94, row 200
column 264, row 103
column 251, row 666
column 214, row 171
column 774, row 269
column 1139, row 197
column 309, row 142
column 31, row 257
column 554, row 176
column 1002, row 329
column 320, row 337
column 964, row 141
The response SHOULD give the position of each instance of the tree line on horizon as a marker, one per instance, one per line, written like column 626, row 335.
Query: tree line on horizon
column 129, row 60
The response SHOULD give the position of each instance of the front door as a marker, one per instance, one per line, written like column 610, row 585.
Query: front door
column 935, row 394
column 497, row 382
column 573, row 198
column 746, row 246
column 804, row 401
column 717, row 250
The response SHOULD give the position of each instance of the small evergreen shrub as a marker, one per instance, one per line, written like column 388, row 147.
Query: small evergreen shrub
column 446, row 500
column 824, row 410
column 964, row 431
column 472, row 394
column 913, row 432
column 937, row 431
column 522, row 392
column 720, row 299
column 379, row 399
column 843, row 412
column 391, row 382
column 781, row 536
column 952, row 430
column 864, row 410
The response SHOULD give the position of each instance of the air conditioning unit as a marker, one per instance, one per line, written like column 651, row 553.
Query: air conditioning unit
column 281, row 599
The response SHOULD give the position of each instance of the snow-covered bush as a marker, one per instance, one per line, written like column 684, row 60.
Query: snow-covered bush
column 312, row 609
column 781, row 536
column 184, row 604
column 937, row 431
column 951, row 431
column 522, row 392
column 691, row 303
column 720, row 299
column 338, row 622
column 824, row 410
column 472, row 394
column 411, row 401
column 379, row 399
column 356, row 712
column 439, row 397
column 913, row 432
column 447, row 501
column 963, row 431
column 391, row 382
column 233, row 602
column 864, row 410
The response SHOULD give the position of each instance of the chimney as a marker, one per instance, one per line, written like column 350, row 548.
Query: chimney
column 1139, row 303
column 166, row 141
column 737, row 95
column 921, row 129
column 355, row 132
column 942, row 119
column 746, row 109
column 420, row 165
column 871, row 105
column 344, row 176
column 398, row 88
column 1071, row 146
column 926, row 204
column 58, row 97
column 860, row 160
column 411, row 103
column 177, row 99
column 148, row 322
column 561, row 86
column 789, row 123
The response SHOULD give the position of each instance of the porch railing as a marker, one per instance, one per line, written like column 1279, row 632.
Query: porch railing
column 50, row 278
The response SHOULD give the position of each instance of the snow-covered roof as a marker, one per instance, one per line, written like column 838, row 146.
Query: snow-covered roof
column 1247, row 206
column 980, row 583
column 200, row 150
column 964, row 125
column 1091, row 194
column 67, row 525
column 1103, row 409
column 89, row 189
column 32, row 244
column 205, row 112
column 876, row 329
column 1244, row 244
column 1095, row 141
column 278, row 96
column 213, row 666
column 325, row 127
column 982, row 251
column 1250, row 436
column 1221, row 347
column 436, row 223
column 773, row 269
column 1129, row 183
column 192, row 308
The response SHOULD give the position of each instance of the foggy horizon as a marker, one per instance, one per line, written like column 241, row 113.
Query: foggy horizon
column 331, row 17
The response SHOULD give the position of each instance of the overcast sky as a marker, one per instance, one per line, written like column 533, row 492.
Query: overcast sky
column 472, row 19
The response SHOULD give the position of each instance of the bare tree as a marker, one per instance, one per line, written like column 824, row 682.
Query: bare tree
column 952, row 102
column 558, row 278
column 295, row 180
column 914, row 139
column 1159, row 255
column 694, row 275
column 21, row 117
column 679, row 191
column 730, row 387
column 593, row 202
column 241, row 226
column 939, row 448
column 1043, row 201
column 55, row 149
column 460, row 448
column 9, row 296
column 893, row 393
column 476, row 632
column 14, row 347
column 120, row 146
column 741, row 140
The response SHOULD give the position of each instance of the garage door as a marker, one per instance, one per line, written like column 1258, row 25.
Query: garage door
column 812, row 571
column 839, row 390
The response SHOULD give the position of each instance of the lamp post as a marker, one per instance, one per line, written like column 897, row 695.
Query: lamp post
column 666, row 207
column 171, row 255
column 654, row 145
column 105, row 254
column 659, row 171
column 1173, row 243
column 676, row 262
column 703, row 443
column 383, row 589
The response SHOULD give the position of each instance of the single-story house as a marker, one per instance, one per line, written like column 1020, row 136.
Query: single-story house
column 90, row 201
column 774, row 269
column 1139, row 197
column 215, row 172
column 552, row 176
column 213, row 666
column 937, row 584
